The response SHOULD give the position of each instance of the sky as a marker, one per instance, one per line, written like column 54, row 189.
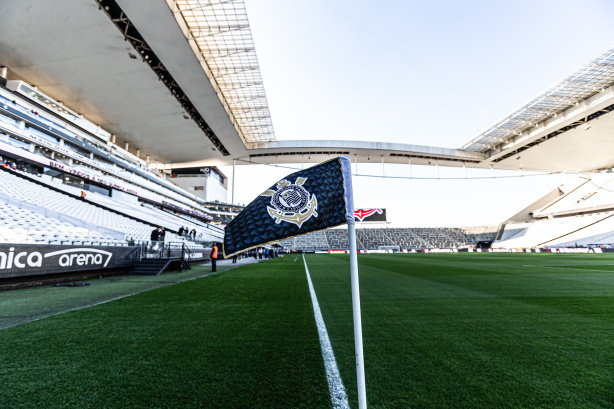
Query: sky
column 431, row 73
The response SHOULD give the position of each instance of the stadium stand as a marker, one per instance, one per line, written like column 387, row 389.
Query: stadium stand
column 19, row 225
column 476, row 234
column 139, row 210
column 50, row 137
column 579, row 214
column 392, row 238
column 29, row 192
column 337, row 239
column 373, row 238
column 124, row 200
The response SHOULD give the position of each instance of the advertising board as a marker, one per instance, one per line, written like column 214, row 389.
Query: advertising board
column 17, row 260
column 370, row 215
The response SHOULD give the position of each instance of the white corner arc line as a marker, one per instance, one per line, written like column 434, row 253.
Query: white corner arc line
column 338, row 396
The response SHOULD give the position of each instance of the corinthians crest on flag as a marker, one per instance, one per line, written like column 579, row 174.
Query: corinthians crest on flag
column 292, row 203
column 305, row 201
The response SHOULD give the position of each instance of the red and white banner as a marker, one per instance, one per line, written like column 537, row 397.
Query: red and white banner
column 370, row 215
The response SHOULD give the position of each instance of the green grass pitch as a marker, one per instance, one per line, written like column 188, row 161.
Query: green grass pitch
column 440, row 331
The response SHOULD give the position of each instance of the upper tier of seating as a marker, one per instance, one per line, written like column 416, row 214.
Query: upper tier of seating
column 22, row 119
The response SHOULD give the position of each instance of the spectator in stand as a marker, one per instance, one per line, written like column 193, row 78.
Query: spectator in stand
column 82, row 194
column 193, row 234
column 162, row 235
column 181, row 230
column 155, row 238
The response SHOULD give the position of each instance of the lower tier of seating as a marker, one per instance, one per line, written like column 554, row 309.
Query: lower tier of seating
column 388, row 238
column 33, row 213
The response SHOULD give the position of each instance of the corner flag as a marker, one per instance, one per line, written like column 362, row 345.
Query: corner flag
column 305, row 201
column 312, row 199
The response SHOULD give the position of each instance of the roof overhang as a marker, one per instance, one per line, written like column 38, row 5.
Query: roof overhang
column 579, row 139
column 308, row 151
column 74, row 52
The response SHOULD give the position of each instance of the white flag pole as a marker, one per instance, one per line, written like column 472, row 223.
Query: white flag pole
column 360, row 364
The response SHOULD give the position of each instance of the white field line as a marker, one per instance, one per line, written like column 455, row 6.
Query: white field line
column 569, row 268
column 338, row 396
column 297, row 258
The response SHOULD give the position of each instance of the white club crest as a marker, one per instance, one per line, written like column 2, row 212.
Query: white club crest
column 291, row 202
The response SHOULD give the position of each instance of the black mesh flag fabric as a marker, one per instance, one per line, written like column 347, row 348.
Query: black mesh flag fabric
column 310, row 200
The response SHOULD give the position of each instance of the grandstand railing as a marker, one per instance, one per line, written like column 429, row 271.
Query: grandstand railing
column 167, row 251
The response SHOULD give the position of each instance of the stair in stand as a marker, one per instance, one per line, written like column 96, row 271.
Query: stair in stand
column 151, row 267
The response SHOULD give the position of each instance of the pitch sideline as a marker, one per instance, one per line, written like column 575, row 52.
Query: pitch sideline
column 338, row 396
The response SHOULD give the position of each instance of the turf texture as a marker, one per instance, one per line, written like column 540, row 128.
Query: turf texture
column 440, row 331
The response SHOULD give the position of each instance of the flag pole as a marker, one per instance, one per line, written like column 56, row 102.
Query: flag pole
column 360, row 364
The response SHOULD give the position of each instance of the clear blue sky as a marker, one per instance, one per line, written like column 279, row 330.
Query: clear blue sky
column 429, row 73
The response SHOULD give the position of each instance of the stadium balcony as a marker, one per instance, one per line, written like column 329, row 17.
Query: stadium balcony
column 112, row 181
column 22, row 119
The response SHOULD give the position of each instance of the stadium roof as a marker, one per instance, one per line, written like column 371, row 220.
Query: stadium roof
column 592, row 78
column 178, row 80
column 140, row 71
column 219, row 33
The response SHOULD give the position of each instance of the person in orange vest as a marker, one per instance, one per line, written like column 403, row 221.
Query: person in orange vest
column 214, row 258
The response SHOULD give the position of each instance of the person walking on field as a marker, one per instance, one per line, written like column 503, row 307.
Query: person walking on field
column 214, row 258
